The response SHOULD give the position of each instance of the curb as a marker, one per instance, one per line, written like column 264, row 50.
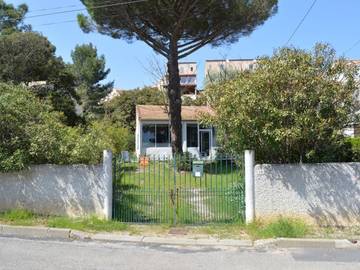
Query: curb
column 70, row 235
column 315, row 243
column 34, row 232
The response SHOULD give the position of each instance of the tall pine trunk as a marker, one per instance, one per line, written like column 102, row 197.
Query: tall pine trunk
column 174, row 96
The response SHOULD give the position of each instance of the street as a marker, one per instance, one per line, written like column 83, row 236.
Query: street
column 39, row 254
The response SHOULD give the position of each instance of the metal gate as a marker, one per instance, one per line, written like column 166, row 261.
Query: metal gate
column 177, row 190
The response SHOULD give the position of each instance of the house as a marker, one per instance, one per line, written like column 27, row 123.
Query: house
column 188, row 79
column 153, row 132
column 218, row 66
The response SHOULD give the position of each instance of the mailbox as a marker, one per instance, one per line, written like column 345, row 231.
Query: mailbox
column 198, row 168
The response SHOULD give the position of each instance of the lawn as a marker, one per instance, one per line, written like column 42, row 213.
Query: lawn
column 155, row 192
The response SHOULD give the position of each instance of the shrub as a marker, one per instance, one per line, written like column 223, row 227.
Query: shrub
column 20, row 112
column 184, row 162
column 291, row 108
column 355, row 147
column 31, row 133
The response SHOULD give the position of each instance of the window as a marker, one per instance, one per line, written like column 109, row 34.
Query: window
column 192, row 135
column 148, row 136
column 156, row 135
column 162, row 136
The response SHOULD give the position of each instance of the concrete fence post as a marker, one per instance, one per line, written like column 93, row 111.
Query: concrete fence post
column 108, row 183
column 249, row 185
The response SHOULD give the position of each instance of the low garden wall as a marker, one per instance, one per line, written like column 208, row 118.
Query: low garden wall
column 76, row 190
column 328, row 193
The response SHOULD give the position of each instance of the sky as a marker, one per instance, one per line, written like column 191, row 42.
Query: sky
column 331, row 21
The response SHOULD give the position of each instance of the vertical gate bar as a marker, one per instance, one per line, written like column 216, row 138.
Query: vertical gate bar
column 178, row 184
column 232, row 184
column 220, row 189
column 206, row 194
column 174, row 210
column 191, row 206
column 113, row 183
column 157, row 194
column 226, row 188
column 152, row 200
column 164, row 190
column 210, row 189
column 139, row 187
column 143, row 193
column 168, row 176
column 132, row 183
column 127, row 183
column 147, row 207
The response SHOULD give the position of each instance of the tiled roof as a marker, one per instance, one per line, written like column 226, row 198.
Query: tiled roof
column 155, row 112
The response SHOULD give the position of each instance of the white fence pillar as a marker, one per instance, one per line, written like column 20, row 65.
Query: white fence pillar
column 108, row 183
column 250, row 185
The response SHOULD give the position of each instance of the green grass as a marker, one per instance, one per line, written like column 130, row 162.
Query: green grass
column 22, row 217
column 91, row 224
column 281, row 227
column 145, row 192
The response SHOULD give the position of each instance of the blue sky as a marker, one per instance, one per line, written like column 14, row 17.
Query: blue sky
column 332, row 21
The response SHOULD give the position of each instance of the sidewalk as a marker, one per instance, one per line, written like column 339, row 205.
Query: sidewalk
column 71, row 235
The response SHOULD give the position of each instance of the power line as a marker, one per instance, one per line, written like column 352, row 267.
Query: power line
column 301, row 22
column 54, row 23
column 63, row 7
column 53, row 8
column 352, row 47
column 81, row 9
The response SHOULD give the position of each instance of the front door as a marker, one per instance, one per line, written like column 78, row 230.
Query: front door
column 205, row 143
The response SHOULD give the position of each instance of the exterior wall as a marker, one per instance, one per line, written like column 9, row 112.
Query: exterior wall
column 328, row 194
column 161, row 152
column 76, row 190
column 188, row 68
column 215, row 66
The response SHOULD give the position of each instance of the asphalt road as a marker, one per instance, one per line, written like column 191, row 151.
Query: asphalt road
column 34, row 254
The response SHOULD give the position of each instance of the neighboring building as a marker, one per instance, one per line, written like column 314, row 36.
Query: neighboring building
column 153, row 132
column 113, row 94
column 188, row 79
column 218, row 66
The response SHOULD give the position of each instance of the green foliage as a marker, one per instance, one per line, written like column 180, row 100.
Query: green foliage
column 281, row 227
column 86, row 224
column 89, row 70
column 26, row 58
column 236, row 193
column 355, row 147
column 17, row 214
column 92, row 223
column 12, row 18
column 19, row 110
column 31, row 133
column 291, row 108
column 192, row 24
column 184, row 162
column 122, row 109
column 97, row 137
column 225, row 74
column 201, row 100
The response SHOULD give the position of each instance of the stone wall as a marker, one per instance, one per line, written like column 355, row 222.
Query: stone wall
column 326, row 193
column 77, row 190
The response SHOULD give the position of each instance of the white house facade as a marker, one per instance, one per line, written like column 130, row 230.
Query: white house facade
column 153, row 132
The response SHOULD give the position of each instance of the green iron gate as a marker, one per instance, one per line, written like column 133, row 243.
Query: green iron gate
column 178, row 190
